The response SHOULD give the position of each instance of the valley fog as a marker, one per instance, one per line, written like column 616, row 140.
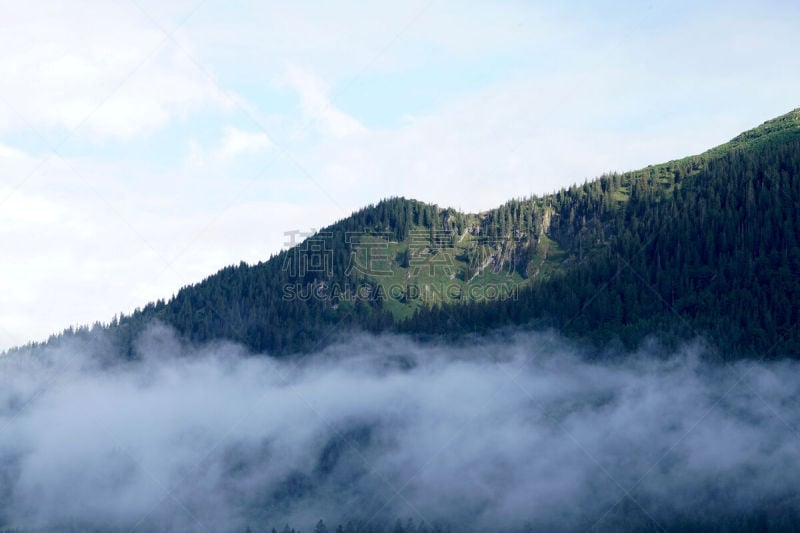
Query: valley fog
column 499, row 433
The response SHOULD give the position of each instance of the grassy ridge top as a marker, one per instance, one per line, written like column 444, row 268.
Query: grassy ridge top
column 783, row 128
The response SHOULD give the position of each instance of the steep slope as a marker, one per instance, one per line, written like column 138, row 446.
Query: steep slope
column 704, row 245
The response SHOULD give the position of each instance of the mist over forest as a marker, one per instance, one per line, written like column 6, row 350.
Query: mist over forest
column 399, row 267
column 500, row 433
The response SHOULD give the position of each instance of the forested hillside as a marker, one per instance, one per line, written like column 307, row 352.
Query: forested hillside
column 706, row 245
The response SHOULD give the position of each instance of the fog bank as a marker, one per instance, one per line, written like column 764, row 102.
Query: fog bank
column 500, row 433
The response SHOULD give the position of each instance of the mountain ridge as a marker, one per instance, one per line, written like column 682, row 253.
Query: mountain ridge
column 596, row 261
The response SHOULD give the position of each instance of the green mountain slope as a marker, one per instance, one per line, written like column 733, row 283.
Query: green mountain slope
column 706, row 245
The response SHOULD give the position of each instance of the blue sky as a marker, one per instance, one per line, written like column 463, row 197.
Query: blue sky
column 143, row 146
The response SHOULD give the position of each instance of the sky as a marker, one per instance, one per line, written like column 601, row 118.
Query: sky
column 144, row 145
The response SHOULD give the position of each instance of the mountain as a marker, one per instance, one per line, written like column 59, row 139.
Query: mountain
column 708, row 245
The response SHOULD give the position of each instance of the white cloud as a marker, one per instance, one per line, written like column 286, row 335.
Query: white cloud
column 236, row 142
column 505, row 141
column 613, row 103
column 316, row 105
column 9, row 153
column 114, row 69
column 346, row 39
column 84, row 240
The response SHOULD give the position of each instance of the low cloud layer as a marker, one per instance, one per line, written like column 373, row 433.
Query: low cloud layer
column 496, row 434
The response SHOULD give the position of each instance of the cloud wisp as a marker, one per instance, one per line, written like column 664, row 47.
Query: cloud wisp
column 492, row 435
